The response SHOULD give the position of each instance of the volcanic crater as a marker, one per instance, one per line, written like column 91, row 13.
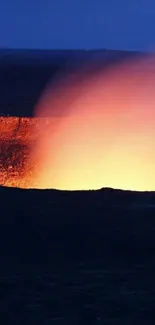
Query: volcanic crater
column 17, row 163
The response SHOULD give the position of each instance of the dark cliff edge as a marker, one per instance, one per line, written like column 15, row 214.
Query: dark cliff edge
column 81, row 257
column 39, row 226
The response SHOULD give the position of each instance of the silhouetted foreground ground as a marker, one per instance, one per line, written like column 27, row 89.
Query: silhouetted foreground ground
column 77, row 257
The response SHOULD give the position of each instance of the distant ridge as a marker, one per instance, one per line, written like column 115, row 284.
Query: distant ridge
column 103, row 196
column 38, row 226
column 102, row 189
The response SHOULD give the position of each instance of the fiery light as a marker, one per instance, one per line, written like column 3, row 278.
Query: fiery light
column 17, row 162
column 105, row 132
column 100, row 130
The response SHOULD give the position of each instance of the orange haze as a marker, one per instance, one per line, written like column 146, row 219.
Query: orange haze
column 100, row 130
column 104, row 135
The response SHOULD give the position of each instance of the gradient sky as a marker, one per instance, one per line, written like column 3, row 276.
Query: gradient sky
column 128, row 25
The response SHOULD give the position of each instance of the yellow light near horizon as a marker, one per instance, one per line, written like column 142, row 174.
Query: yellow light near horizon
column 105, row 133
column 99, row 131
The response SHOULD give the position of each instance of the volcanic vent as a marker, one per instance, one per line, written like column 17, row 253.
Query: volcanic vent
column 17, row 162
column 91, row 129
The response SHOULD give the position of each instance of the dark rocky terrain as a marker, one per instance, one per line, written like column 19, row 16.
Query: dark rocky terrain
column 84, row 257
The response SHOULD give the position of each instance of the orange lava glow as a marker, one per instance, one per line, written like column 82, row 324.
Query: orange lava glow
column 100, row 132
column 105, row 133
column 17, row 140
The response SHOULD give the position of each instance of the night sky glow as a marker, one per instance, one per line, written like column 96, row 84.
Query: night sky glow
column 103, row 129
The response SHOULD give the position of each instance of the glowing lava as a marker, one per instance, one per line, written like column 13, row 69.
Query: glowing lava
column 18, row 136
column 100, row 132
column 104, row 133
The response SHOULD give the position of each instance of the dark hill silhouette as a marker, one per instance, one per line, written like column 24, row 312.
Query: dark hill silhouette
column 89, row 216
column 77, row 257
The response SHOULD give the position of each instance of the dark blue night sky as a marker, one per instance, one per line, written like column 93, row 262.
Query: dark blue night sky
column 80, row 24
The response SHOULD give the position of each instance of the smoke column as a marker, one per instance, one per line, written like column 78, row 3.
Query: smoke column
column 103, row 128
